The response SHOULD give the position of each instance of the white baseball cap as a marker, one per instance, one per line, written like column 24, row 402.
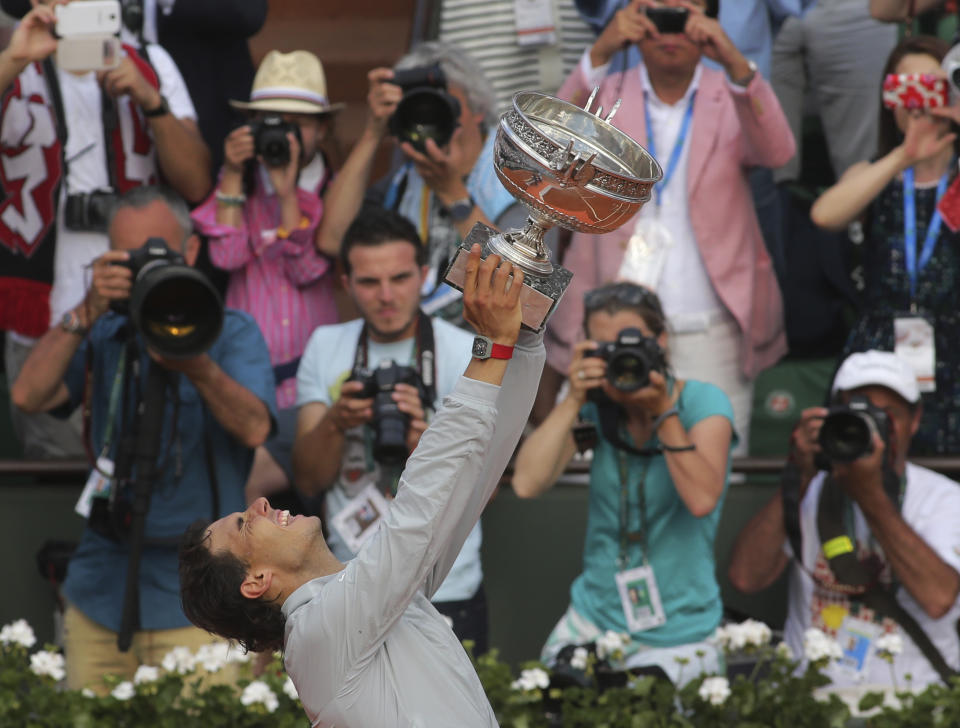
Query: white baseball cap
column 877, row 368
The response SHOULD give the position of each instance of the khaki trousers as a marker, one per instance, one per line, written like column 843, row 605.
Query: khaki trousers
column 91, row 652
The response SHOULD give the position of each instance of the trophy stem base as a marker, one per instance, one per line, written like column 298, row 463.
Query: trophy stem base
column 541, row 293
column 525, row 248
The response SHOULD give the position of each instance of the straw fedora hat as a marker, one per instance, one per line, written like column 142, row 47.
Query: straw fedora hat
column 289, row 82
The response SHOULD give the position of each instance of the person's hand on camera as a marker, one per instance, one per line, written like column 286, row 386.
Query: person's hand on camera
column 111, row 281
column 33, row 38
column 586, row 372
column 805, row 440
column 284, row 179
column 628, row 25
column 491, row 297
column 408, row 401
column 238, row 147
column 382, row 99
column 714, row 43
column 126, row 79
column 925, row 138
column 442, row 169
column 350, row 409
column 195, row 368
column 654, row 399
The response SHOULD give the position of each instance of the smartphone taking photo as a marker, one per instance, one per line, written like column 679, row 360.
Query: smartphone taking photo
column 88, row 33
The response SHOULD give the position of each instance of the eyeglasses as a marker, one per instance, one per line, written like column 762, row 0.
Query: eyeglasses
column 628, row 295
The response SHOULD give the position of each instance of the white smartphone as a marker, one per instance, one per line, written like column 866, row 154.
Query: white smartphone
column 87, row 17
column 88, row 53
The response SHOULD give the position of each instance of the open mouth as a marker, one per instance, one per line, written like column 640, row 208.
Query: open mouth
column 283, row 518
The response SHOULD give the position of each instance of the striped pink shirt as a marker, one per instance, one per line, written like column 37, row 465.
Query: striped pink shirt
column 285, row 284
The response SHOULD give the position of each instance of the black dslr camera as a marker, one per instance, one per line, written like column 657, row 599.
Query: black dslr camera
column 630, row 359
column 270, row 139
column 389, row 423
column 88, row 212
column 668, row 19
column 847, row 431
column 174, row 307
column 427, row 110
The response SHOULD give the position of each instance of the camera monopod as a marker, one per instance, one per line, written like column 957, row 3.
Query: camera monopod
column 149, row 433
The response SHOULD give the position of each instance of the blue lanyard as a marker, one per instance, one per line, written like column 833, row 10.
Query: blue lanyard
column 677, row 145
column 910, row 229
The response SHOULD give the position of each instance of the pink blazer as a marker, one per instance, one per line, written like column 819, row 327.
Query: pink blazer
column 730, row 132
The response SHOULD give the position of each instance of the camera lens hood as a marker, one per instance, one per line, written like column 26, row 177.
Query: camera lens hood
column 176, row 309
column 425, row 113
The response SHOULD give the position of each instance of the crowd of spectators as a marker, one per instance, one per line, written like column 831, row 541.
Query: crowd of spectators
column 94, row 163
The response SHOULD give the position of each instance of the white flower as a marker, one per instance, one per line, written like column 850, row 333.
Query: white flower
column 18, row 633
column 146, row 674
column 889, row 645
column 715, row 690
column 756, row 634
column 290, row 689
column 750, row 633
column 123, row 691
column 578, row 660
column 531, row 680
column 819, row 646
column 48, row 663
column 212, row 657
column 783, row 650
column 180, row 660
column 259, row 692
column 88, row 693
column 611, row 644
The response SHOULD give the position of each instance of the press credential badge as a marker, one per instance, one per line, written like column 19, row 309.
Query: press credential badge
column 640, row 598
column 98, row 486
column 534, row 20
column 914, row 343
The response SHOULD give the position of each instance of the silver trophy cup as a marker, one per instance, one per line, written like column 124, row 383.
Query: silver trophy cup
column 570, row 168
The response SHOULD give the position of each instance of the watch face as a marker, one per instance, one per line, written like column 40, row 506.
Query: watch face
column 481, row 348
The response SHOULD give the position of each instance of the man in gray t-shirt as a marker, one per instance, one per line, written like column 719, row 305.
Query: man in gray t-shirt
column 362, row 642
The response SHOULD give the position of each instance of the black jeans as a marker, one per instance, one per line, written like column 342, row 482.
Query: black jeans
column 469, row 619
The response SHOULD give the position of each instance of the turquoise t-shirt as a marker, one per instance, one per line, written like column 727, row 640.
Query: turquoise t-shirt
column 679, row 546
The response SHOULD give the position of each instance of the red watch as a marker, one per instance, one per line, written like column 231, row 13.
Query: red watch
column 484, row 348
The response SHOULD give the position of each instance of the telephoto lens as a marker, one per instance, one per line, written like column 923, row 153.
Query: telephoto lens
column 427, row 110
column 174, row 306
column 848, row 429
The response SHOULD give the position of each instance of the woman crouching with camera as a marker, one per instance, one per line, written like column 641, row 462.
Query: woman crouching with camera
column 661, row 464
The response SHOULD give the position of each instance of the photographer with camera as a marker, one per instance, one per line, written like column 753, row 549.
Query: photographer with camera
column 697, row 243
column 442, row 113
column 873, row 538
column 366, row 389
column 275, row 221
column 216, row 404
column 71, row 142
column 660, row 469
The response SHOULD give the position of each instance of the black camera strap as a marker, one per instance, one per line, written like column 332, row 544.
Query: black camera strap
column 56, row 98
column 610, row 416
column 424, row 358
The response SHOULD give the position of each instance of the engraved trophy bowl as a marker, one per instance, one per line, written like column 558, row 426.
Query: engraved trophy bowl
column 568, row 167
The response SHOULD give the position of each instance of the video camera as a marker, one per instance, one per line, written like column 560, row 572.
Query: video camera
column 174, row 307
column 270, row 139
column 630, row 359
column 427, row 110
column 848, row 429
column 389, row 423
